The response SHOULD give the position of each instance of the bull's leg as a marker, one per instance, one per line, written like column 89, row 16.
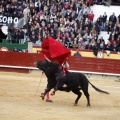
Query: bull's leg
column 76, row 91
column 87, row 96
column 43, row 94
column 53, row 92
column 66, row 89
column 59, row 86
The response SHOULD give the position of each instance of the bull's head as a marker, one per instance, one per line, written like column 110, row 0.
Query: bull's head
column 49, row 68
column 42, row 65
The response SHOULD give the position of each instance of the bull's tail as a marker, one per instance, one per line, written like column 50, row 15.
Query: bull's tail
column 97, row 89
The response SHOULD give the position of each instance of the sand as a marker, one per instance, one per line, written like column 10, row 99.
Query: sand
column 20, row 100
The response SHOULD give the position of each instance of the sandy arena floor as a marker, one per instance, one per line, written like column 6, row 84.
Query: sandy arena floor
column 19, row 101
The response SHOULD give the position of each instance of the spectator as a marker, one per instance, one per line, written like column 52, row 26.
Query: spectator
column 112, row 41
column 108, row 46
column 77, row 53
column 118, row 19
column 102, row 46
column 114, row 46
column 15, row 50
column 26, row 12
column 113, row 18
column 106, row 2
column 21, row 37
column 91, row 17
column 75, row 45
column 101, row 39
column 89, row 46
column 33, row 39
column 71, row 22
column 99, row 24
column 38, row 42
column 104, row 19
column 110, row 27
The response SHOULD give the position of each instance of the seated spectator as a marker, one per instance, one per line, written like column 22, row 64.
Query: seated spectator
column 114, row 46
column 102, row 39
column 118, row 51
column 38, row 42
column 82, row 46
column 108, row 46
column 118, row 40
column 106, row 2
column 89, row 46
column 77, row 53
column 70, row 22
column 75, row 45
column 21, row 37
column 98, row 2
column 15, row 50
column 112, row 41
column 102, row 46
column 33, row 39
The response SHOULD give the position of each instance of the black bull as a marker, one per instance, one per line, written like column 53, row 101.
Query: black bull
column 74, row 81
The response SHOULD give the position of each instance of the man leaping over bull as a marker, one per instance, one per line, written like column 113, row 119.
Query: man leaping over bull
column 55, row 53
column 59, row 77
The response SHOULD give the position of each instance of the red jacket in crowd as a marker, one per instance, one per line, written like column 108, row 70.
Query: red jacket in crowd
column 90, row 16
column 66, row 6
column 91, row 1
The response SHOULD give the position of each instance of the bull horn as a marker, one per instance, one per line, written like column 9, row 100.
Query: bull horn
column 47, row 58
column 35, row 63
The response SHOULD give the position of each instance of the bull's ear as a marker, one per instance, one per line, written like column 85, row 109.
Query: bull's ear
column 47, row 58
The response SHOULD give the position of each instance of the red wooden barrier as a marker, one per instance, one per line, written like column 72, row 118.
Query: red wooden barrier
column 95, row 65
column 18, row 59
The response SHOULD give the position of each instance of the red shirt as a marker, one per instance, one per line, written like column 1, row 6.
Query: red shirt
column 91, row 1
column 113, row 41
column 91, row 16
column 117, row 41
column 66, row 6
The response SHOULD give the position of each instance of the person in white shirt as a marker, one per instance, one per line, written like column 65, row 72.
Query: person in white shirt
column 26, row 12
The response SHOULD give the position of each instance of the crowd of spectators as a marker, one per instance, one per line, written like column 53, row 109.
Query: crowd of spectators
column 68, row 21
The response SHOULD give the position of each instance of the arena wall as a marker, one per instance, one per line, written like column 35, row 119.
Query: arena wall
column 24, row 62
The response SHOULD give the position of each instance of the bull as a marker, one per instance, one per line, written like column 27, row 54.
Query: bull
column 74, row 81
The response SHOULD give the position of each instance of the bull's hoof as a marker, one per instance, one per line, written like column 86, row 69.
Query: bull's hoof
column 48, row 100
column 42, row 96
column 88, row 106
column 52, row 93
column 75, row 104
